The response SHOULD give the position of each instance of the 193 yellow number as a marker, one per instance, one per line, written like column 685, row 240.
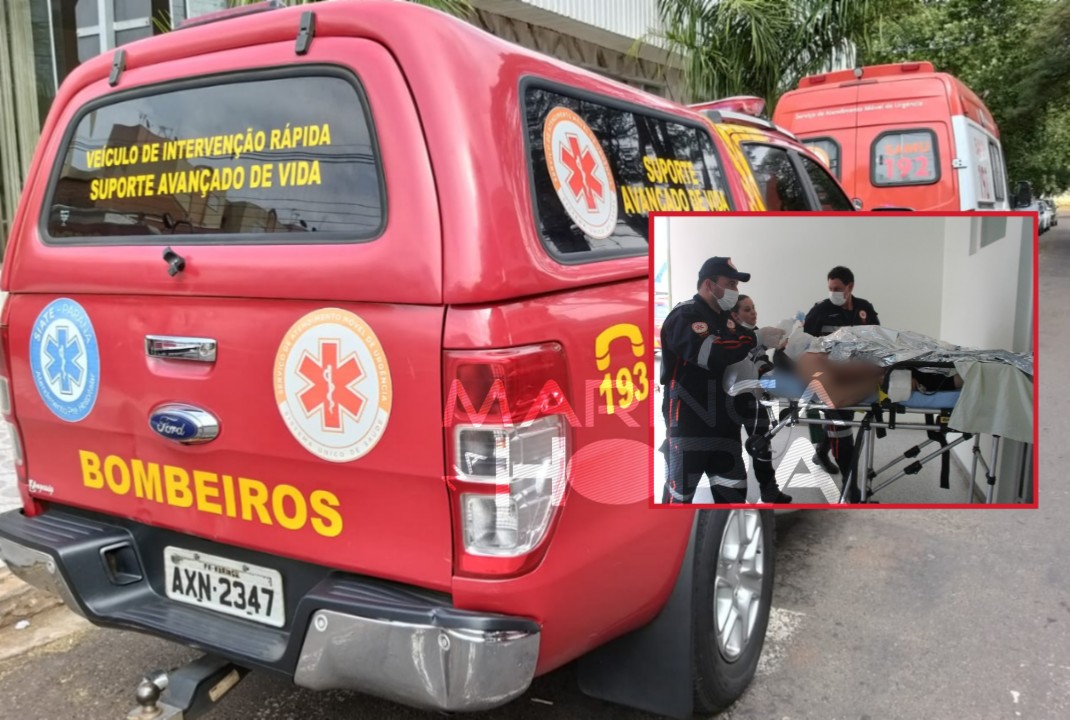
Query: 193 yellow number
column 629, row 387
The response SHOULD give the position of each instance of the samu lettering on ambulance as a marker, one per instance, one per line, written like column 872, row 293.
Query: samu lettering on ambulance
column 249, row 499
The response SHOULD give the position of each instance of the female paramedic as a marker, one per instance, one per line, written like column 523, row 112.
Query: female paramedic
column 752, row 413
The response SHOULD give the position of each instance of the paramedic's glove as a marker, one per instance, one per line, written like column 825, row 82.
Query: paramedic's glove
column 771, row 337
column 798, row 343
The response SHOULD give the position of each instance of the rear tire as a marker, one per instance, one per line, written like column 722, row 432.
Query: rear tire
column 733, row 592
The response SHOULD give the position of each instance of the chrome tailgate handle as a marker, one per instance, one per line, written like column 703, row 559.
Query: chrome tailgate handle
column 180, row 348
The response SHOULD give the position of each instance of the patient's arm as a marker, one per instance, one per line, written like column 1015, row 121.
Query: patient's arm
column 838, row 384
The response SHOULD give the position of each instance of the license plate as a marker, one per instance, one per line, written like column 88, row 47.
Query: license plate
column 224, row 585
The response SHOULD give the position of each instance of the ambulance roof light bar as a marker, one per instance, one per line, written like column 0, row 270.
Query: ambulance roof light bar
column 868, row 71
column 231, row 13
column 720, row 116
column 742, row 104
column 718, row 111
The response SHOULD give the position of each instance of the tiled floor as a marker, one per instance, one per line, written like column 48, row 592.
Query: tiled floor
column 807, row 483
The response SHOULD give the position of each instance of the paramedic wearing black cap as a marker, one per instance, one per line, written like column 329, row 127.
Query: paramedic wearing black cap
column 699, row 340
column 841, row 309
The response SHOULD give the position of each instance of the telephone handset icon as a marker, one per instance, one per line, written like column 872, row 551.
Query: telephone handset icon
column 607, row 336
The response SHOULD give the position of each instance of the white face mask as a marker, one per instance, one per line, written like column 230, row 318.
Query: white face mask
column 729, row 299
column 747, row 325
column 837, row 298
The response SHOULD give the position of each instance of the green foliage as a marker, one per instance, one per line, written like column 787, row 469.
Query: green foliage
column 761, row 47
column 1013, row 53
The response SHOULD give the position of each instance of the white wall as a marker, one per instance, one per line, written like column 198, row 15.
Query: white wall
column 927, row 274
column 981, row 298
column 661, row 253
column 986, row 304
column 898, row 262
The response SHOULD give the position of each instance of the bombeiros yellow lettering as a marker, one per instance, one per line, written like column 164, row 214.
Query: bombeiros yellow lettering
column 247, row 499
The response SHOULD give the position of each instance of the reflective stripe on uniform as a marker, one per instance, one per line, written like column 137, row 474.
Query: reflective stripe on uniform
column 728, row 482
column 840, row 433
column 704, row 352
column 677, row 496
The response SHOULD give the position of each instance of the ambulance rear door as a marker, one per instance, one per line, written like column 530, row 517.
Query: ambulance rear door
column 906, row 147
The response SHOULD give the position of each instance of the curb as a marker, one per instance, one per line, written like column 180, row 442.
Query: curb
column 48, row 628
column 45, row 616
column 19, row 601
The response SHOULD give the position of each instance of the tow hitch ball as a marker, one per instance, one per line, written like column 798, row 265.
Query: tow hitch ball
column 187, row 693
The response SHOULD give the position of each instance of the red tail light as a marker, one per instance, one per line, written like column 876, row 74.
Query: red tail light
column 7, row 410
column 507, row 420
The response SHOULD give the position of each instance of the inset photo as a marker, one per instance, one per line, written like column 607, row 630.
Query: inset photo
column 825, row 360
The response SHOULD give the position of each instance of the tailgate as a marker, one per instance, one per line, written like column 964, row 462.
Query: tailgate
column 330, row 445
column 305, row 248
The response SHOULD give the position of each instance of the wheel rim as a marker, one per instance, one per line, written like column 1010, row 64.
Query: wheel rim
column 737, row 592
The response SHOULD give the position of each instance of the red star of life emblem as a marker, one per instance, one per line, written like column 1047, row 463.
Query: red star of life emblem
column 330, row 380
column 581, row 179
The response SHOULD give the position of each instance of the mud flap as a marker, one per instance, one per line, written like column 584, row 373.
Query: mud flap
column 650, row 668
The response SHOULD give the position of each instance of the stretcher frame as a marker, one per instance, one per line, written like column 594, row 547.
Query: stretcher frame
column 871, row 427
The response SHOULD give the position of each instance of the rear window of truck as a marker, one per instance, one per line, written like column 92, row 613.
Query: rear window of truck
column 271, row 156
column 598, row 168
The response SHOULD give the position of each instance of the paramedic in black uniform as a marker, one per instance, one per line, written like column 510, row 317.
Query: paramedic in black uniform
column 841, row 309
column 699, row 339
column 753, row 414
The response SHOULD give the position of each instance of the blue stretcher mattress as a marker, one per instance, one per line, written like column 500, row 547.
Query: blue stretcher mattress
column 788, row 386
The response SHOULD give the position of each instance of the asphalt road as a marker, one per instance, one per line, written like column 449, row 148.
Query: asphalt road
column 879, row 613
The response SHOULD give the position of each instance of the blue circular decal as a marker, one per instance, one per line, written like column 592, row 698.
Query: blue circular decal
column 65, row 360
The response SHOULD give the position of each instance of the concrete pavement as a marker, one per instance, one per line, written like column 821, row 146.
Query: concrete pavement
column 878, row 613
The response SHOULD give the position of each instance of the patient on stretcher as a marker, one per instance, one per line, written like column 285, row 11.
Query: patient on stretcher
column 843, row 383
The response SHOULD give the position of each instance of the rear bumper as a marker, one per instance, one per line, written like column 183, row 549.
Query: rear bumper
column 342, row 631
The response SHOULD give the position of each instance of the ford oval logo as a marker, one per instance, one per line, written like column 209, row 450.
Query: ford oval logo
column 184, row 424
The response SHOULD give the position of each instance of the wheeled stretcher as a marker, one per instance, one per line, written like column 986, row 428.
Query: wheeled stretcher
column 880, row 414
